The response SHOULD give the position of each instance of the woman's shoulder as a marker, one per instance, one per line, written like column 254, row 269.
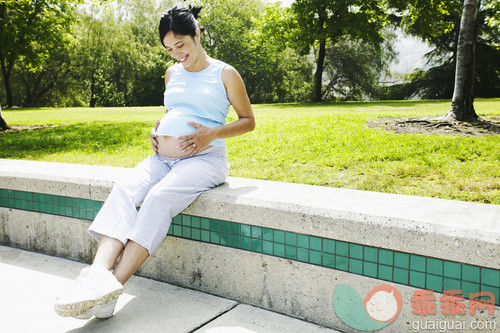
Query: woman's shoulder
column 169, row 72
column 218, row 65
column 229, row 73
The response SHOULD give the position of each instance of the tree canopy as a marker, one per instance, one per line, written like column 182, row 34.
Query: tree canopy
column 107, row 53
column 320, row 23
column 34, row 35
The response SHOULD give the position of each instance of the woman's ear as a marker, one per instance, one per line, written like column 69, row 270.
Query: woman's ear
column 197, row 34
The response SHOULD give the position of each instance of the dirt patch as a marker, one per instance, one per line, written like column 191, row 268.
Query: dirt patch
column 383, row 109
column 15, row 129
column 488, row 125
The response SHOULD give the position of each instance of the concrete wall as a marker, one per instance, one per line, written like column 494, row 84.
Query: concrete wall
column 283, row 247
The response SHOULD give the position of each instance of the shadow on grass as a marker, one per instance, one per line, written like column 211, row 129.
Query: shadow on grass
column 86, row 138
column 357, row 104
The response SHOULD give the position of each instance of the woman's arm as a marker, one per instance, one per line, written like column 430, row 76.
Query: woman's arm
column 237, row 94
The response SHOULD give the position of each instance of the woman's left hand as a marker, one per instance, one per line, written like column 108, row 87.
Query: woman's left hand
column 197, row 141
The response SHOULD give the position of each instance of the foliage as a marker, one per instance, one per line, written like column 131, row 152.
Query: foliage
column 150, row 60
column 228, row 35
column 353, row 69
column 236, row 34
column 107, row 53
column 492, row 22
column 433, row 83
column 292, row 77
column 289, row 73
column 320, row 144
column 117, row 57
column 316, row 20
column 33, row 46
column 112, row 57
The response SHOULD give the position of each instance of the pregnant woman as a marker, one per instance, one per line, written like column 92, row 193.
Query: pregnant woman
column 190, row 158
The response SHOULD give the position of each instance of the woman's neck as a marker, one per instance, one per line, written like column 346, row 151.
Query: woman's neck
column 203, row 62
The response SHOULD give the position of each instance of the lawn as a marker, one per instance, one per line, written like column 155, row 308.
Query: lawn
column 320, row 144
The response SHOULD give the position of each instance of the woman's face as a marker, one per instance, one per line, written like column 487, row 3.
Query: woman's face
column 183, row 48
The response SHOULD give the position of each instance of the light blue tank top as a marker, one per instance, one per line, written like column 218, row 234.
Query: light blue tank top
column 194, row 96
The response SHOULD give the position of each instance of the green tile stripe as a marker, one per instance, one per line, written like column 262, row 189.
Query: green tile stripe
column 399, row 267
column 50, row 204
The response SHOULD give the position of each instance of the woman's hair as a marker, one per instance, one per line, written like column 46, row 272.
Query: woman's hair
column 182, row 21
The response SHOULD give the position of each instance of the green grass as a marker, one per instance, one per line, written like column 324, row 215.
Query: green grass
column 320, row 144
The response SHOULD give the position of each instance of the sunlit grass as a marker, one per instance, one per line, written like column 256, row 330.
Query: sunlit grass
column 328, row 145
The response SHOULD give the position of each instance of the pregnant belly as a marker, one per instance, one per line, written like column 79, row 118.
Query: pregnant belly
column 168, row 146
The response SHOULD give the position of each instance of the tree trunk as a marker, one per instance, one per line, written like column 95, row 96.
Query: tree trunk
column 6, row 70
column 462, row 103
column 318, row 75
column 3, row 124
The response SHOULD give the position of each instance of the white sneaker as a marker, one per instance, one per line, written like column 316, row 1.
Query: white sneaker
column 101, row 311
column 96, row 285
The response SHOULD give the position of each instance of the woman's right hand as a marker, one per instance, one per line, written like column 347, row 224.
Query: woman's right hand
column 154, row 138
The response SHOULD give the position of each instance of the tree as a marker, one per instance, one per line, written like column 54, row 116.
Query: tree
column 353, row 69
column 320, row 22
column 462, row 103
column 3, row 124
column 92, row 64
column 31, row 32
column 286, row 74
column 441, row 32
column 459, row 31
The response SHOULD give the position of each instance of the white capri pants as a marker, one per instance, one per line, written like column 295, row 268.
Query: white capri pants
column 165, row 187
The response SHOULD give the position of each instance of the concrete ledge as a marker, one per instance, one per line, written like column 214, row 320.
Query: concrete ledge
column 357, row 238
column 454, row 230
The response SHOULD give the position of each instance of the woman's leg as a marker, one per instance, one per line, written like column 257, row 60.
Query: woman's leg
column 132, row 258
column 108, row 251
column 97, row 287
column 187, row 179
column 118, row 214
